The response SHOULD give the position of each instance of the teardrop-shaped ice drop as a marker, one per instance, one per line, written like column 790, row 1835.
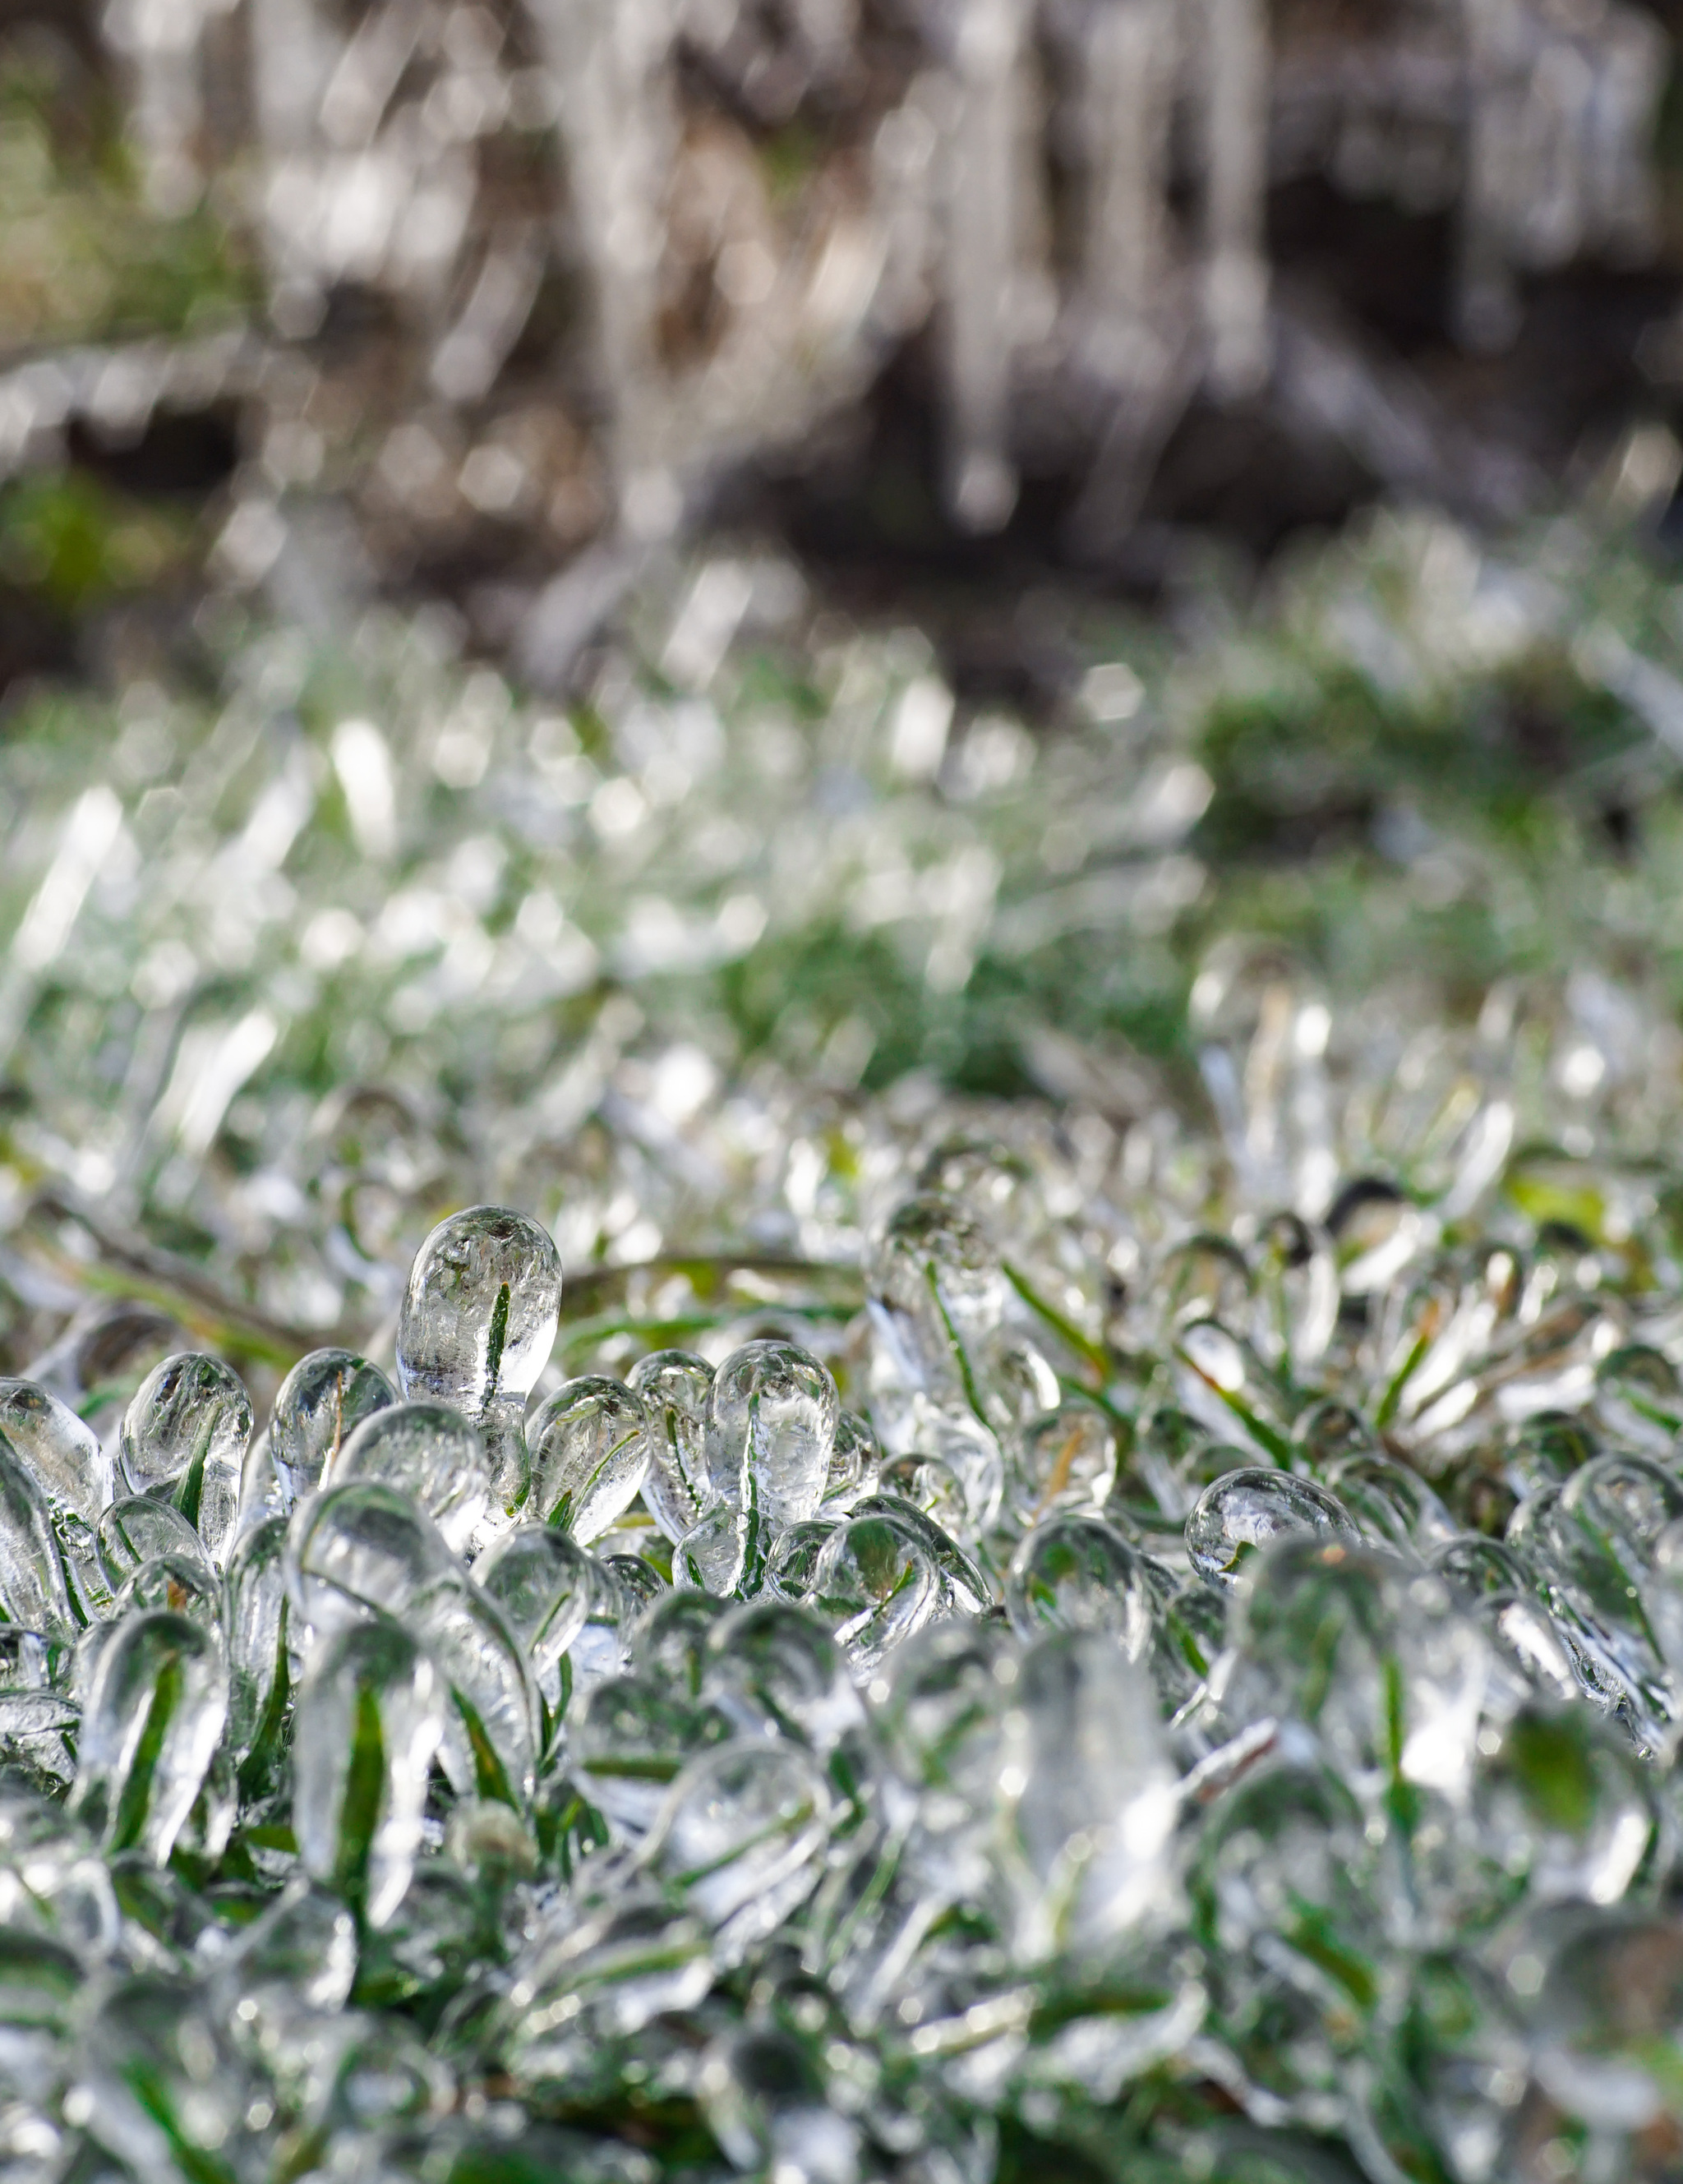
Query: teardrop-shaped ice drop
column 370, row 1717
column 964, row 1586
column 742, row 1835
column 875, row 1586
column 771, row 1422
column 430, row 1452
column 712, row 1555
column 589, row 1447
column 1090, row 1792
column 937, row 1277
column 183, row 1439
column 133, row 1530
column 181, row 1583
column 359, row 1547
column 255, row 1606
column 544, row 1583
column 62, row 1454
column 629, row 1740
column 1639, row 1398
column 676, row 1388
column 32, row 1587
column 790, row 1566
column 640, row 1584
column 154, row 1718
column 318, row 1406
column 480, row 1312
column 1248, row 1510
column 1204, row 1277
column 491, row 1726
column 774, row 1671
column 1064, row 1460
column 1080, row 1573
column 855, row 1466
column 1392, row 1503
column 669, row 1642
column 260, row 1494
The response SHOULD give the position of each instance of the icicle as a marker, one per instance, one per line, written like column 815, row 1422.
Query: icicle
column 161, row 42
column 1235, row 157
column 985, row 214
column 619, row 128
column 1124, row 64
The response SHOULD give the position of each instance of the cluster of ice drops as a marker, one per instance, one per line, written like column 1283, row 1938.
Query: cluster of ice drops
column 1156, row 1753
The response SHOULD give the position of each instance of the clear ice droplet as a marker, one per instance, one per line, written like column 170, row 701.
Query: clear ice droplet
column 183, row 1439
column 480, row 1312
column 1247, row 1510
column 319, row 1404
column 154, row 1719
column 590, row 1447
column 370, row 1717
column 676, row 1388
column 772, row 1423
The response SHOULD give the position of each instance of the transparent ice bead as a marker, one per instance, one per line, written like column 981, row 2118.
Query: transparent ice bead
column 61, row 1454
column 712, row 1555
column 790, row 1566
column 480, row 1312
column 775, row 1671
column 166, row 2080
column 958, row 1442
column 362, row 1547
column 590, row 1452
column 855, row 1465
column 964, row 1589
column 181, row 1583
column 741, row 1836
column 937, row 1277
column 627, row 1741
column 1080, row 1573
column 319, row 1404
column 1089, row 1796
column 1063, row 1461
column 370, row 1717
column 183, row 1439
column 544, row 1584
column 771, row 1422
column 260, row 1493
column 670, row 1641
column 135, row 1528
column 1626, row 1503
column 1638, row 1399
column 1604, row 2027
column 1566, row 1812
column 640, row 1584
column 1392, row 1504
column 603, row 1645
column 1373, row 1657
column 430, row 1452
column 1248, row 1510
column 1204, row 1277
column 1284, row 1867
column 255, row 1597
column 942, row 1702
column 875, row 1586
column 492, row 1732
column 33, row 1588
column 599, row 1976
column 154, row 1719
column 676, row 1388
